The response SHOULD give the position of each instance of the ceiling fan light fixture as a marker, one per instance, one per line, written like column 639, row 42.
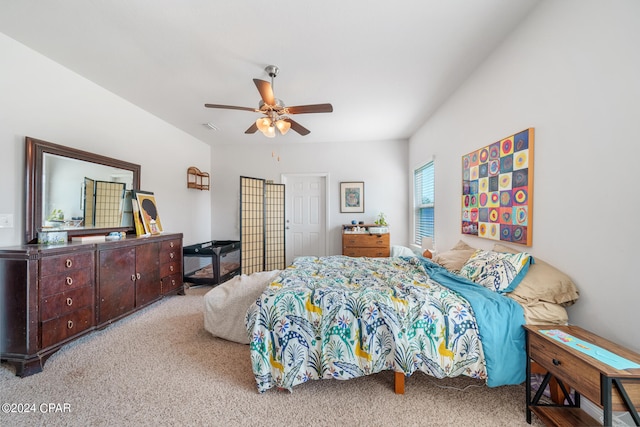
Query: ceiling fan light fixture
column 270, row 132
column 276, row 114
column 263, row 124
column 283, row 126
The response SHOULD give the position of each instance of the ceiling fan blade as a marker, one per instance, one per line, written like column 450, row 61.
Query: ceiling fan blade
column 298, row 127
column 315, row 108
column 252, row 129
column 266, row 91
column 230, row 107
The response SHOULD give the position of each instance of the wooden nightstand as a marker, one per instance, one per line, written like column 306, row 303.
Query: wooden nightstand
column 611, row 389
column 364, row 243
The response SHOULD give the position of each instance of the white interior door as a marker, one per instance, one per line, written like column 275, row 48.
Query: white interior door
column 306, row 216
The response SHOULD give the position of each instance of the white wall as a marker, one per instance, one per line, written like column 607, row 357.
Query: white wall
column 381, row 165
column 570, row 70
column 41, row 99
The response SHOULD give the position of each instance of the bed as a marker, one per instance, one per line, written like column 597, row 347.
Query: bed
column 340, row 317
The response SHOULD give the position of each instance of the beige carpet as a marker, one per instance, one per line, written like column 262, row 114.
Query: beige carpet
column 160, row 367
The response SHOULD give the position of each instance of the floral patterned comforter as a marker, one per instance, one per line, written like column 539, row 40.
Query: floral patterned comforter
column 341, row 317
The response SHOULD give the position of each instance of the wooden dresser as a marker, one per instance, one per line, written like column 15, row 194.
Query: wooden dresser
column 363, row 243
column 51, row 295
column 610, row 388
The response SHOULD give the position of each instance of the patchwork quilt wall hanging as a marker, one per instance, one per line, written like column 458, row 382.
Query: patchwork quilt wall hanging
column 497, row 190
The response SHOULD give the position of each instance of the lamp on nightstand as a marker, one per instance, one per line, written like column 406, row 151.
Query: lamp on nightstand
column 427, row 247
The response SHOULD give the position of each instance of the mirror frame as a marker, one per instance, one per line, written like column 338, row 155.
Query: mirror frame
column 35, row 149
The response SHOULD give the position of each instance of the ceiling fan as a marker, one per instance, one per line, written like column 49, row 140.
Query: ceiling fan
column 277, row 114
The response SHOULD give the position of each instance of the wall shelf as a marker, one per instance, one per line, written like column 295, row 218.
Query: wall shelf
column 197, row 179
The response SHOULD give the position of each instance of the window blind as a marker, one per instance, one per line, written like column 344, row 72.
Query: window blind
column 424, row 200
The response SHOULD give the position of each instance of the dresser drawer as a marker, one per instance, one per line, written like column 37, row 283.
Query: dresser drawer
column 65, row 302
column 170, row 251
column 67, row 262
column 73, row 279
column 57, row 330
column 573, row 371
column 365, row 240
column 167, row 257
column 171, row 283
column 170, row 268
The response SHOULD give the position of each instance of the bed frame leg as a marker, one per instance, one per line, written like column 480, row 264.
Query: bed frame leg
column 399, row 382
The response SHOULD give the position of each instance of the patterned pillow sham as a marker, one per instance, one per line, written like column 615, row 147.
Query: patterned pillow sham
column 500, row 272
column 544, row 282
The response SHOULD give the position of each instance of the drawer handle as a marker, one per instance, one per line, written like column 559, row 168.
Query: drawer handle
column 70, row 324
column 556, row 362
column 69, row 281
column 69, row 302
column 68, row 263
column 171, row 255
column 171, row 268
column 173, row 281
column 133, row 277
column 171, row 244
column 137, row 276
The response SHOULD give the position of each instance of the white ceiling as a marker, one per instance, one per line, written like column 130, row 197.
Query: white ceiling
column 385, row 66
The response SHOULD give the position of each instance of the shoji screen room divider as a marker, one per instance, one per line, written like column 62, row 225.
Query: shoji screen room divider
column 262, row 222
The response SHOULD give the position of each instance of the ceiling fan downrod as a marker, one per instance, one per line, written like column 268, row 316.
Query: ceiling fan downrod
column 272, row 71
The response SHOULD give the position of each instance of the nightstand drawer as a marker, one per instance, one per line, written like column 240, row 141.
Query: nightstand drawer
column 366, row 240
column 368, row 252
column 574, row 372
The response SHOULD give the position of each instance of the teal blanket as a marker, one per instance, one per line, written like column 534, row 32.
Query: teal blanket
column 499, row 320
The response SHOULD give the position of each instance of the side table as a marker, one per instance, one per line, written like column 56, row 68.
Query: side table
column 610, row 388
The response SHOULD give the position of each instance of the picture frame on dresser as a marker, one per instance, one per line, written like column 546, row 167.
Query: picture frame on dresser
column 148, row 209
column 352, row 197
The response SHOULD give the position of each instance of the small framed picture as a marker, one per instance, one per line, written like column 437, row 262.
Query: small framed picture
column 352, row 197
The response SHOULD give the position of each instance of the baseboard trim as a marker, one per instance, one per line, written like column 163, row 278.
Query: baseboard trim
column 620, row 419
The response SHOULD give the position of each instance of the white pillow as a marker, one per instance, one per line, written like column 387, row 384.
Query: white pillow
column 397, row 250
column 226, row 305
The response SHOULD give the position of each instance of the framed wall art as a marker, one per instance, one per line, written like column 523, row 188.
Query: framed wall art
column 497, row 190
column 352, row 197
column 148, row 209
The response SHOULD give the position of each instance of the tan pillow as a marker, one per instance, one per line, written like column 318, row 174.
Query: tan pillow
column 454, row 259
column 543, row 282
column 541, row 312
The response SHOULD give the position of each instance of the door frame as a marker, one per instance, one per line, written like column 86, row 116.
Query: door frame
column 327, row 203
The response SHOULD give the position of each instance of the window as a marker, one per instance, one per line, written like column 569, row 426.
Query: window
column 424, row 200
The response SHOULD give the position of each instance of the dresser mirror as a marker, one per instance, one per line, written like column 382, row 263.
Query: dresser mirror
column 76, row 191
